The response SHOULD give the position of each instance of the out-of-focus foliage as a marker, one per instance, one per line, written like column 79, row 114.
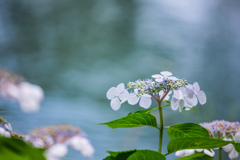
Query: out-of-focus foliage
column 16, row 149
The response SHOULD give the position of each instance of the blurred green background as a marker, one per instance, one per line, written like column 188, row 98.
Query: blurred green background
column 76, row 50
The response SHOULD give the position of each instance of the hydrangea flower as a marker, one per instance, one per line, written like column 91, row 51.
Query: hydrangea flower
column 15, row 88
column 164, row 75
column 143, row 91
column 116, row 95
column 225, row 129
column 197, row 93
column 56, row 139
column 187, row 152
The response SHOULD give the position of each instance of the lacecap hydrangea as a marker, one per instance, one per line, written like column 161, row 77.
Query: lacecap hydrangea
column 185, row 96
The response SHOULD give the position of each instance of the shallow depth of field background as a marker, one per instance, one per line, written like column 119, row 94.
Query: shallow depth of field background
column 76, row 50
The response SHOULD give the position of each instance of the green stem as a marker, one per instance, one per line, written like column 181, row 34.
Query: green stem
column 220, row 149
column 161, row 127
column 220, row 153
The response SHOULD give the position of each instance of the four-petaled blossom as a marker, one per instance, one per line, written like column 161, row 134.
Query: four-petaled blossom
column 115, row 94
column 164, row 75
column 230, row 149
column 198, row 94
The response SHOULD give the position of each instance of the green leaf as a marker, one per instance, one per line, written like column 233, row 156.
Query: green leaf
column 197, row 156
column 237, row 146
column 16, row 149
column 194, row 143
column 167, row 101
column 146, row 155
column 146, row 110
column 185, row 130
column 137, row 119
column 135, row 155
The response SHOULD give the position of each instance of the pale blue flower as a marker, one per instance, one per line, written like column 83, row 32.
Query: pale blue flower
column 164, row 75
column 200, row 95
column 116, row 95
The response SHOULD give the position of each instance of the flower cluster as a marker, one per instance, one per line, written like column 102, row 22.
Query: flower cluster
column 221, row 128
column 184, row 94
column 56, row 139
column 26, row 94
column 5, row 128
column 229, row 131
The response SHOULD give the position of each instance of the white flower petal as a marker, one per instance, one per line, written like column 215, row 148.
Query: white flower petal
column 196, row 87
column 174, row 103
column 172, row 78
column 207, row 152
column 156, row 76
column 189, row 152
column 237, row 137
column 111, row 93
column 180, row 153
column 57, row 150
column 176, row 94
column 192, row 101
column 146, row 95
column 115, row 104
column 120, row 87
column 199, row 150
column 159, row 80
column 228, row 147
column 133, row 99
column 124, row 95
column 201, row 97
column 145, row 102
column 189, row 91
column 166, row 73
column 181, row 105
column 233, row 154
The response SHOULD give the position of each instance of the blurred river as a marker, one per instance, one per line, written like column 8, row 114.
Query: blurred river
column 77, row 50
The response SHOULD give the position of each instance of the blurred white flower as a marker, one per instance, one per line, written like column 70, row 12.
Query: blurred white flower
column 83, row 145
column 56, row 151
column 26, row 94
column 59, row 137
column 5, row 128
column 4, row 133
column 30, row 96
column 164, row 75
column 115, row 94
